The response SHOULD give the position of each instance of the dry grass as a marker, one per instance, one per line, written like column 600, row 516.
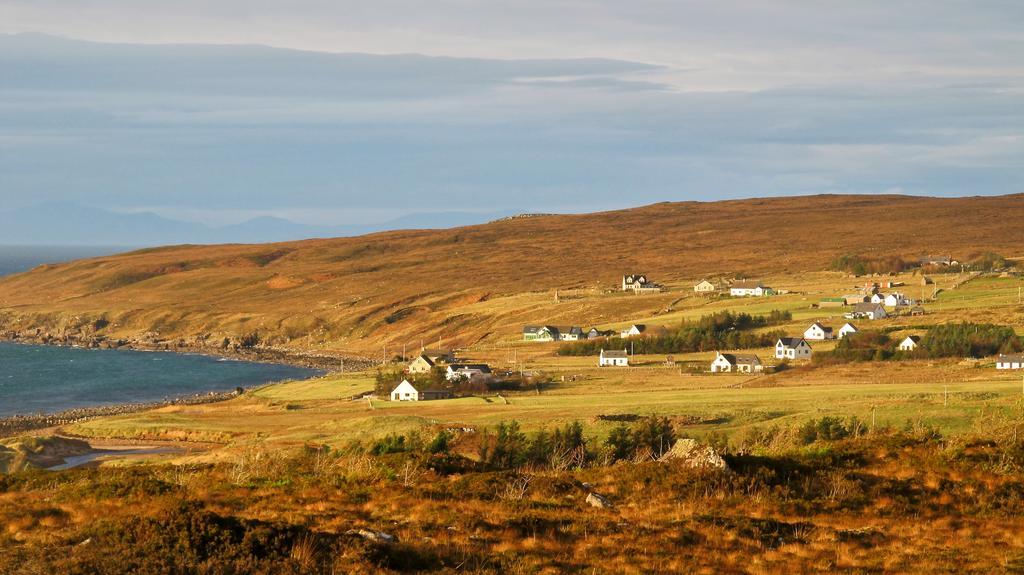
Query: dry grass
column 482, row 283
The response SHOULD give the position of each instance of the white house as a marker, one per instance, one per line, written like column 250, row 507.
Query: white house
column 613, row 358
column 406, row 391
column 749, row 289
column 467, row 371
column 792, row 348
column 639, row 283
column 878, row 298
column 870, row 311
column 895, row 299
column 740, row 363
column 704, row 286
column 540, row 333
column 910, row 343
column 634, row 330
column 421, row 364
column 818, row 332
column 846, row 330
column 1015, row 361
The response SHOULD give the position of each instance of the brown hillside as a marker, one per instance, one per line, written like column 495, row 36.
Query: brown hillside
column 354, row 293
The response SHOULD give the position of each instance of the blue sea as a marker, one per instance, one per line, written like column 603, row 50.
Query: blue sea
column 17, row 259
column 47, row 379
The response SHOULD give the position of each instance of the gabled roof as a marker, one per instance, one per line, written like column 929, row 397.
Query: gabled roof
column 539, row 328
column 868, row 307
column 913, row 338
column 1011, row 357
column 747, row 284
column 741, row 358
column 823, row 328
column 790, row 341
column 614, row 354
column 481, row 367
column 850, row 325
column 429, row 361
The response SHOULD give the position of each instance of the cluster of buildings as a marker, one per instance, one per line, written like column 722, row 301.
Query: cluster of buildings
column 546, row 333
column 454, row 371
column 872, row 304
column 639, row 283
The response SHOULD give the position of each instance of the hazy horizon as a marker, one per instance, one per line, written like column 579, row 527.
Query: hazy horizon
column 331, row 116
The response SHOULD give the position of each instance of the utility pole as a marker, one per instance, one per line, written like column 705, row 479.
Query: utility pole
column 945, row 396
column 385, row 362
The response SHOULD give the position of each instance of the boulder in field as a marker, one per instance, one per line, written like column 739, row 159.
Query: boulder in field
column 695, row 455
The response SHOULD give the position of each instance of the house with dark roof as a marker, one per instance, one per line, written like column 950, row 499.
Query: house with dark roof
column 818, row 332
column 749, row 288
column 736, row 362
column 792, row 348
column 868, row 310
column 910, row 343
column 468, row 371
column 422, row 364
column 1010, row 361
column 613, row 358
column 407, row 391
column 639, row 283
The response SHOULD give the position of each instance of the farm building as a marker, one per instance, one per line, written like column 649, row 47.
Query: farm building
column 792, row 348
column 832, row 302
column 406, row 391
column 910, row 343
column 749, row 289
column 869, row 311
column 854, row 299
column 1014, row 361
column 818, row 332
column 438, row 355
column 613, row 358
column 735, row 362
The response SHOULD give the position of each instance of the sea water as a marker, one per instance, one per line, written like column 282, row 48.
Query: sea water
column 47, row 379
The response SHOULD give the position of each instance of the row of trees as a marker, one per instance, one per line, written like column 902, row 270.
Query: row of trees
column 947, row 340
column 508, row 447
column 722, row 330
column 862, row 265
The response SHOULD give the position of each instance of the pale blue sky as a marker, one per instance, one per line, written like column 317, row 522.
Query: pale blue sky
column 366, row 111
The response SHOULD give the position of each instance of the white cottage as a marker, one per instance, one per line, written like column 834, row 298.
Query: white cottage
column 910, row 343
column 613, row 358
column 634, row 330
column 792, row 348
column 846, row 330
column 734, row 362
column 749, row 289
column 818, row 332
column 406, row 391
column 1015, row 361
column 704, row 286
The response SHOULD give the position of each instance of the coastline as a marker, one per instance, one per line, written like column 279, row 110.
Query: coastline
column 198, row 346
column 14, row 425
column 17, row 424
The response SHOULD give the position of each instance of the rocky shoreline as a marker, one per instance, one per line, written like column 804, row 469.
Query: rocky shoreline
column 22, row 423
column 18, row 424
column 204, row 345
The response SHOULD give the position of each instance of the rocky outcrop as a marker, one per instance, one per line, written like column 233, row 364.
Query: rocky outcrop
column 595, row 499
column 693, row 454
column 373, row 536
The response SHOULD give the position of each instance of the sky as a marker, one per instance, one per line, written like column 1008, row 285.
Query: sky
column 337, row 112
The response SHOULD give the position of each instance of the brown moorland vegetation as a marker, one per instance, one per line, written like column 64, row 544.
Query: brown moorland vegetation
column 834, row 497
column 352, row 293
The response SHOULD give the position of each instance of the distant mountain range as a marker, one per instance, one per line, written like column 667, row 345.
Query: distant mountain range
column 72, row 224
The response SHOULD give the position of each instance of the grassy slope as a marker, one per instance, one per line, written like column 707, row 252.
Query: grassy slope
column 484, row 282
